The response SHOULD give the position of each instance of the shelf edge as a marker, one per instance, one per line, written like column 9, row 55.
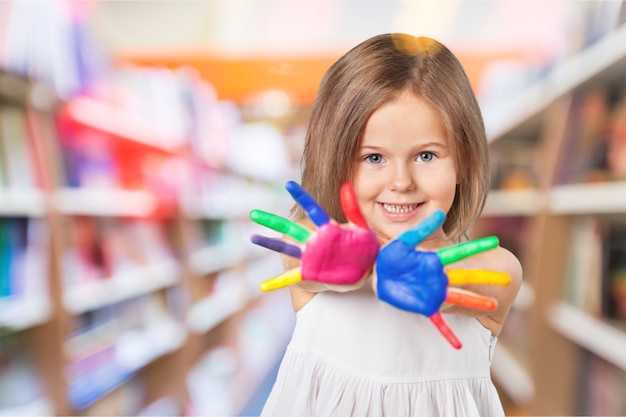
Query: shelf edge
column 593, row 198
column 512, row 203
column 104, row 202
column 590, row 333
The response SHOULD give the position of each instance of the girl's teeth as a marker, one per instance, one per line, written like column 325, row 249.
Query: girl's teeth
column 398, row 209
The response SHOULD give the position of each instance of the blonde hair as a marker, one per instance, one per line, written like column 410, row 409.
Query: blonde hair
column 372, row 74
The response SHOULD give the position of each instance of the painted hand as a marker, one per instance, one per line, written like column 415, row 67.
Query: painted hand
column 333, row 254
column 414, row 280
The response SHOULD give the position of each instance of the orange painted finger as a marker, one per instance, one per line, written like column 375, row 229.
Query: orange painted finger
column 477, row 276
column 350, row 206
column 288, row 278
column 469, row 300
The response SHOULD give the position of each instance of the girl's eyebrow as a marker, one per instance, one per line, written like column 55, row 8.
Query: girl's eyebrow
column 434, row 144
column 420, row 146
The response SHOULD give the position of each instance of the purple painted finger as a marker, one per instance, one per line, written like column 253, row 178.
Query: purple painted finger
column 277, row 245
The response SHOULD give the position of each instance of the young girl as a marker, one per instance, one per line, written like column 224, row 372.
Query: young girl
column 397, row 118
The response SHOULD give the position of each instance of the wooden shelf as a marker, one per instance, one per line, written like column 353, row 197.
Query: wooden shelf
column 217, row 307
column 595, row 198
column 512, row 203
column 605, row 59
column 38, row 407
column 140, row 153
column 543, row 121
column 213, row 259
column 123, row 286
column 104, row 202
column 214, row 209
column 234, row 200
column 22, row 202
column 18, row 313
column 134, row 351
column 137, row 349
column 590, row 333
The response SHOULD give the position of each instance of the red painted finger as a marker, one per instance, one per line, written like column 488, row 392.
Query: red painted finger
column 443, row 328
column 350, row 206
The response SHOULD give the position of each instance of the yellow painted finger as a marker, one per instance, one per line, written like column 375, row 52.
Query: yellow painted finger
column 290, row 277
column 477, row 276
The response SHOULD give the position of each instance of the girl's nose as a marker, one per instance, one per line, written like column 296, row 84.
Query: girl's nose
column 402, row 180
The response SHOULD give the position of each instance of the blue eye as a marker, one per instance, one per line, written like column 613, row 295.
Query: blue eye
column 374, row 158
column 426, row 156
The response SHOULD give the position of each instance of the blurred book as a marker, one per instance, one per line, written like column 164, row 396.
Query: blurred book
column 99, row 248
column 601, row 388
column 62, row 51
column 600, row 19
column 583, row 151
column 585, row 265
column 108, row 345
column 614, row 284
column 24, row 254
column 513, row 165
column 616, row 147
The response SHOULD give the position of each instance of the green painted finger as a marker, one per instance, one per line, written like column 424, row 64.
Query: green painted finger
column 457, row 252
column 280, row 224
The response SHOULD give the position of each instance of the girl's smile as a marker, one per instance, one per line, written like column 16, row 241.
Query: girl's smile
column 400, row 212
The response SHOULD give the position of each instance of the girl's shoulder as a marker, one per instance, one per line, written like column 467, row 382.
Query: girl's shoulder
column 498, row 259
column 502, row 259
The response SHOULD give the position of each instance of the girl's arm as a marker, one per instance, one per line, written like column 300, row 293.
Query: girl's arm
column 497, row 259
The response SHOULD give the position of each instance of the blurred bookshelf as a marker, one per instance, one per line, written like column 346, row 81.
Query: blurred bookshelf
column 557, row 202
column 129, row 286
column 128, row 283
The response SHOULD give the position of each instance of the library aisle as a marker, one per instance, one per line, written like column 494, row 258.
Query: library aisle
column 132, row 150
column 128, row 282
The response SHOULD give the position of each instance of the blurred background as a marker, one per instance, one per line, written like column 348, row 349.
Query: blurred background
column 135, row 137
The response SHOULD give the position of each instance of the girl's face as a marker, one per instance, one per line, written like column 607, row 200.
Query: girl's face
column 405, row 168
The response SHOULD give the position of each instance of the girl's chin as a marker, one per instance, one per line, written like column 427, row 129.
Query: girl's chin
column 390, row 233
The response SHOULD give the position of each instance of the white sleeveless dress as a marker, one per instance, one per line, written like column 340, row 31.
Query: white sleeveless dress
column 353, row 355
